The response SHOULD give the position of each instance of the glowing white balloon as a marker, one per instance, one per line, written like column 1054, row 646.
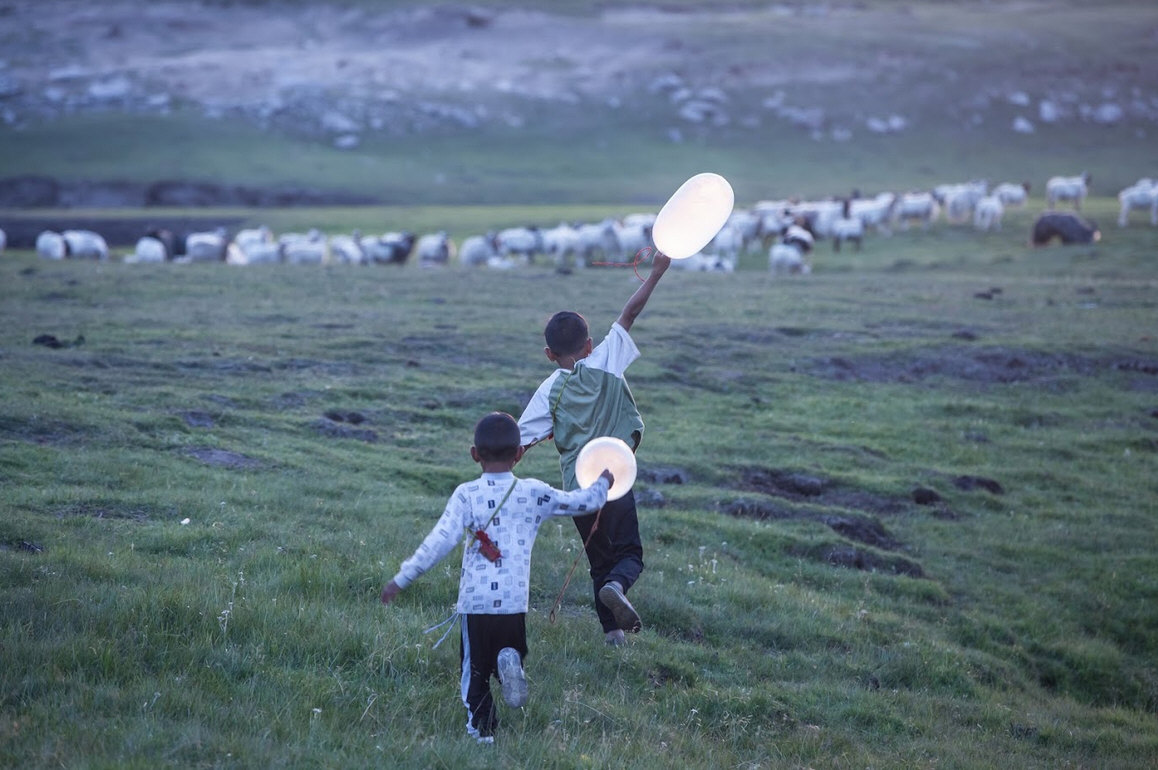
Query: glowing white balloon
column 693, row 215
column 610, row 453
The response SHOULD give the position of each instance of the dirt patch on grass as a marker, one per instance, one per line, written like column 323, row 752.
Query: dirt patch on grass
column 114, row 510
column 800, row 486
column 223, row 458
column 985, row 366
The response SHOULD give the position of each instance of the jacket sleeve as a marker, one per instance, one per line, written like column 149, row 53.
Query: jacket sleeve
column 442, row 539
column 578, row 502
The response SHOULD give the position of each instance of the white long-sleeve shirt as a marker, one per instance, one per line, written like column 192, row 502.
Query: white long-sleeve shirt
column 501, row 587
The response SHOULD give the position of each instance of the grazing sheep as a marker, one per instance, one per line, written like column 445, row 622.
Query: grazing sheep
column 310, row 248
column 916, row 207
column 959, row 200
column 253, row 236
column 597, row 240
column 71, row 244
column 524, row 242
column 1143, row 194
column 848, row 227
column 148, row 249
column 1011, row 194
column 206, row 246
column 477, row 250
column 434, row 249
column 705, row 263
column 632, row 238
column 875, row 212
column 725, row 245
column 1067, row 188
column 392, row 248
column 561, row 243
column 787, row 256
column 347, row 249
column 50, row 245
column 817, row 216
column 1067, row 228
column 988, row 213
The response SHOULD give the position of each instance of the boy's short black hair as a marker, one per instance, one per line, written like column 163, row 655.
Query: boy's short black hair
column 497, row 437
column 566, row 333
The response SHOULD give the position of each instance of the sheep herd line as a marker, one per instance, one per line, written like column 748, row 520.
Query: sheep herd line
column 787, row 230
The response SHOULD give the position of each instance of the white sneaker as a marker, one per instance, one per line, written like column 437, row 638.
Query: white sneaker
column 511, row 676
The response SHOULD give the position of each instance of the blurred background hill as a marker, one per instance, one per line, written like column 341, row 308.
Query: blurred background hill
column 286, row 102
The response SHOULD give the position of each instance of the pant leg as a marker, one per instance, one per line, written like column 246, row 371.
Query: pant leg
column 482, row 638
column 614, row 552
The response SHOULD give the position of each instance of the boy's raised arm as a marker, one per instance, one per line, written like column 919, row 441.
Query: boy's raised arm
column 659, row 265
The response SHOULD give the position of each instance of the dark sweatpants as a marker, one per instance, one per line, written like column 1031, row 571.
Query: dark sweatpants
column 483, row 636
column 615, row 551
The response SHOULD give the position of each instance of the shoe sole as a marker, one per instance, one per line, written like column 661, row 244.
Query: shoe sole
column 625, row 615
column 513, row 680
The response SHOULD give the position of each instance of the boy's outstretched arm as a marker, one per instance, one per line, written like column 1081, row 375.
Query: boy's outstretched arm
column 659, row 265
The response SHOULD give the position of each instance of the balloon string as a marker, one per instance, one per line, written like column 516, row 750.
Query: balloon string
column 563, row 590
column 644, row 254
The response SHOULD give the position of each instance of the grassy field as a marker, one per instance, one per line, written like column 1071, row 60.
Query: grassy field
column 209, row 479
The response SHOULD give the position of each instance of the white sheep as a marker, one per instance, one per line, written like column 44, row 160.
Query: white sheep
column 1011, row 194
column 206, row 246
column 787, row 256
column 148, row 249
column 392, row 248
column 959, row 200
column 847, row 227
column 988, row 213
column 309, row 248
column 1067, row 188
column 1142, row 194
column 50, row 245
column 253, row 236
column 597, row 240
column 875, row 212
column 71, row 244
column 561, row 243
column 632, row 238
column 916, row 207
column 434, row 249
column 477, row 250
column 524, row 242
column 347, row 249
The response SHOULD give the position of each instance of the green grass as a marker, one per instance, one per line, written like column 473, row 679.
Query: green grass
column 252, row 635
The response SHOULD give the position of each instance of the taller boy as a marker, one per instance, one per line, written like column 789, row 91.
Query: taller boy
column 584, row 398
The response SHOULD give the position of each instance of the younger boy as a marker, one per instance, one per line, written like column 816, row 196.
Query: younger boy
column 500, row 516
column 584, row 398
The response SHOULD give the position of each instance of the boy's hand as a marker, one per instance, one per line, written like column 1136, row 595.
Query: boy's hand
column 607, row 474
column 390, row 591
column 660, row 261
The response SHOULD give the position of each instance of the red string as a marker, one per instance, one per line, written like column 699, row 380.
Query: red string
column 640, row 257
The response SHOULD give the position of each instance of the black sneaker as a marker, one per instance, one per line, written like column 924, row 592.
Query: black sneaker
column 625, row 615
column 511, row 676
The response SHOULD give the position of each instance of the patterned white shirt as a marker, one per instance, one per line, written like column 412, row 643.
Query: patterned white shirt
column 501, row 587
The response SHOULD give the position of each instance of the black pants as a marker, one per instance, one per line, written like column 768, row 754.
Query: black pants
column 483, row 636
column 615, row 552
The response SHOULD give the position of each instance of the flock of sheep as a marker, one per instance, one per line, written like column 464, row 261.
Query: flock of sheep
column 786, row 229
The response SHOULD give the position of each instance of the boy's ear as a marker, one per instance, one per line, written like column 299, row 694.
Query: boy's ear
column 519, row 454
column 587, row 348
column 550, row 354
column 474, row 454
